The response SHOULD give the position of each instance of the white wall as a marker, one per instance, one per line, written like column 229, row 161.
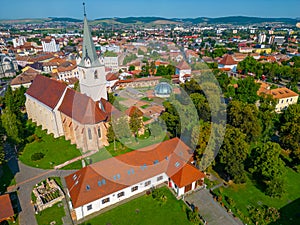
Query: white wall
column 283, row 103
column 97, row 205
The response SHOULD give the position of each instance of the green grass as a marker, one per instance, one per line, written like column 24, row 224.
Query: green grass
column 73, row 166
column 145, row 106
column 7, row 179
column 118, row 149
column 147, row 99
column 172, row 212
column 145, row 119
column 48, row 215
column 56, row 150
column 249, row 194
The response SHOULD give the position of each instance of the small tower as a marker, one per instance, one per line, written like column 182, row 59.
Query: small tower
column 92, row 79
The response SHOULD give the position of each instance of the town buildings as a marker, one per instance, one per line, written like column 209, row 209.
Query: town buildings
column 50, row 45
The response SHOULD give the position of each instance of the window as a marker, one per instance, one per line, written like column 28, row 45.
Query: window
column 121, row 194
column 99, row 132
column 87, row 187
column 89, row 207
column 83, row 72
column 96, row 74
column 147, row 183
column 90, row 133
column 134, row 188
column 160, row 178
column 105, row 200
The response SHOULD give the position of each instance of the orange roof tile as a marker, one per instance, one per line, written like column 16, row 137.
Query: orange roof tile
column 227, row 60
column 86, row 185
column 183, row 65
column 186, row 175
column 81, row 108
column 133, row 109
column 6, row 209
column 47, row 91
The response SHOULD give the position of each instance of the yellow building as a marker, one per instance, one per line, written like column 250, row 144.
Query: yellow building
column 263, row 50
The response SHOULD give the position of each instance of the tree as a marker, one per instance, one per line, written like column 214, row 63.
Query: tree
column 12, row 125
column 202, row 106
column 156, row 129
column 244, row 116
column 268, row 167
column 131, row 68
column 233, row 154
column 135, row 123
column 247, row 90
column 118, row 129
column 267, row 116
column 290, row 131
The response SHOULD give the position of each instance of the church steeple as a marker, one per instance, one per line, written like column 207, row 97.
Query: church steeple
column 92, row 77
column 89, row 56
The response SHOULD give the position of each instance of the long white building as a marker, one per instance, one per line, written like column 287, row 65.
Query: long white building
column 113, row 180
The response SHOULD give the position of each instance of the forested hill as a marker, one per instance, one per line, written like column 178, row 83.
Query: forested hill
column 242, row 20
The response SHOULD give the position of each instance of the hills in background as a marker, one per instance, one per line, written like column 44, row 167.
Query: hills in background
column 235, row 20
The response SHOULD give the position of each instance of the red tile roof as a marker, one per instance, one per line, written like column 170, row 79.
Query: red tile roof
column 46, row 90
column 81, row 108
column 6, row 209
column 186, row 175
column 183, row 65
column 133, row 109
column 131, row 168
column 227, row 60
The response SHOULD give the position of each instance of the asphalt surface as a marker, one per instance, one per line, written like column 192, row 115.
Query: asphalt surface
column 210, row 210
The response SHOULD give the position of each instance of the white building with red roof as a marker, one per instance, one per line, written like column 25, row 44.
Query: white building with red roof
column 113, row 180
column 65, row 112
column 182, row 69
column 227, row 63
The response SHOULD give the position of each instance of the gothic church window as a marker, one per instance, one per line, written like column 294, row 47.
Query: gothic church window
column 99, row 132
column 90, row 133
column 96, row 74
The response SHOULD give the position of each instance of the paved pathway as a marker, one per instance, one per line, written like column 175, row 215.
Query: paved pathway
column 212, row 211
column 26, row 178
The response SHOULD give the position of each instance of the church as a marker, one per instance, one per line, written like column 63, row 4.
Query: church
column 82, row 117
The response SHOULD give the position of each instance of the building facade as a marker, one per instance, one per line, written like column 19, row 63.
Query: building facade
column 113, row 180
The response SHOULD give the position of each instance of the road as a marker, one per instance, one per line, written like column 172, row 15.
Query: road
column 26, row 178
column 210, row 210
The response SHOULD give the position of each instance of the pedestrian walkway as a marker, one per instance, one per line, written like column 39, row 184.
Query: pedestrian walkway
column 210, row 210
column 26, row 179
column 75, row 159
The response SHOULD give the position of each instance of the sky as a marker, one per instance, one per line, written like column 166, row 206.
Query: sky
column 17, row 9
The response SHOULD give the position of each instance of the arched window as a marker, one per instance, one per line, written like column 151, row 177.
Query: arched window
column 96, row 74
column 83, row 72
column 99, row 132
column 90, row 133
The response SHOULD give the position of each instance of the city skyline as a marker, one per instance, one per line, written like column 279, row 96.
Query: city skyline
column 164, row 8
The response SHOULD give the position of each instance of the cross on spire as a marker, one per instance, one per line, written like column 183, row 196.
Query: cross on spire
column 84, row 13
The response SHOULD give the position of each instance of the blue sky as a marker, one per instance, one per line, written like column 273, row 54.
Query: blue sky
column 15, row 9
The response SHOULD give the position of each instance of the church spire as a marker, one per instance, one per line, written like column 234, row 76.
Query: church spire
column 88, row 47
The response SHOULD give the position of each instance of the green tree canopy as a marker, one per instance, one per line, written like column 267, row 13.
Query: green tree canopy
column 233, row 154
column 245, row 117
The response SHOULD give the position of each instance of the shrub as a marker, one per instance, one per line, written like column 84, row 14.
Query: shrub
column 37, row 156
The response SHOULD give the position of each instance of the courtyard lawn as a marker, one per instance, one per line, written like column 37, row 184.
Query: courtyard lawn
column 55, row 150
column 249, row 194
column 147, row 211
column 115, row 149
column 55, row 213
column 73, row 166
